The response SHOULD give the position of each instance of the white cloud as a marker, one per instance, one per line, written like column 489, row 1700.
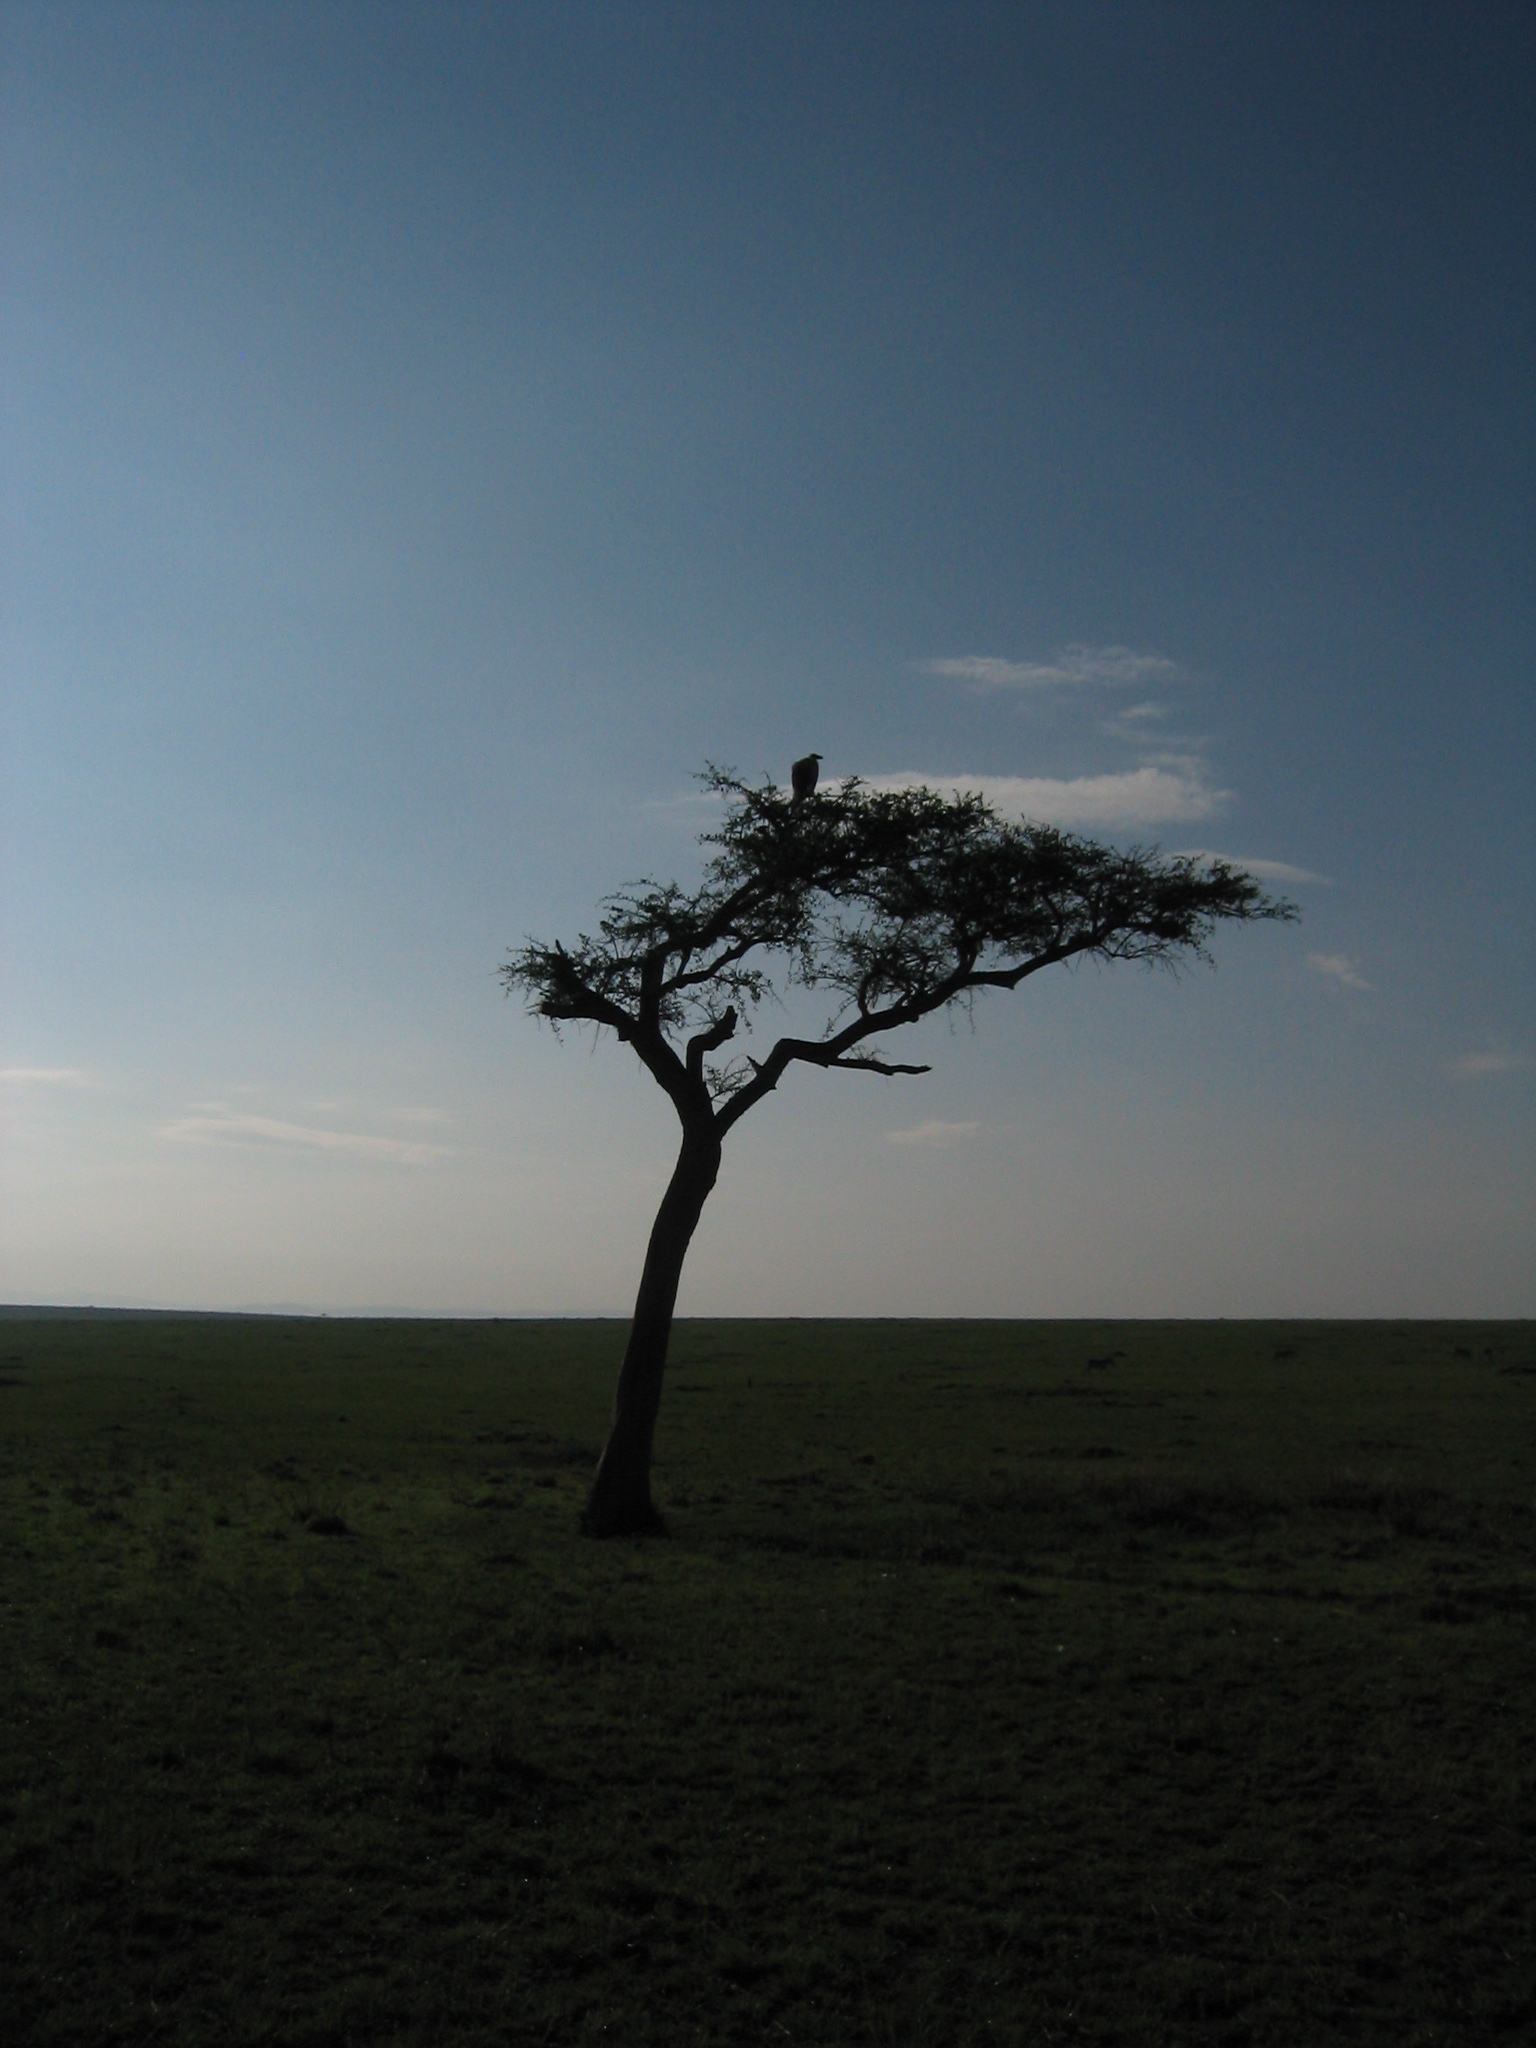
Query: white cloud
column 1265, row 870
column 1171, row 791
column 1073, row 667
column 936, row 1136
column 45, row 1077
column 220, row 1126
column 1483, row 1066
column 1337, row 967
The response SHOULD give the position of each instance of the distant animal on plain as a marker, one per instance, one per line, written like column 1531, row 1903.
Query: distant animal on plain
column 802, row 777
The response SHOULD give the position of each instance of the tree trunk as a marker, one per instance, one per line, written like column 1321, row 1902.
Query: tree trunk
column 620, row 1501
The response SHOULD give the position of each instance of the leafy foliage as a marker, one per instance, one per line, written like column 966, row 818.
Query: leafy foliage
column 897, row 904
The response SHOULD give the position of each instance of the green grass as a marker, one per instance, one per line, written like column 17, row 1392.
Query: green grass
column 1025, row 1683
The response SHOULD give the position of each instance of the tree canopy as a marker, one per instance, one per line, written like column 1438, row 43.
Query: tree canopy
column 893, row 904
column 897, row 903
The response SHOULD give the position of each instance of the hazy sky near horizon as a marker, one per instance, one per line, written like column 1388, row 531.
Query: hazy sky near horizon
column 433, row 431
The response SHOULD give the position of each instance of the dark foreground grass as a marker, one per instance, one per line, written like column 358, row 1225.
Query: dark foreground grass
column 1145, row 1683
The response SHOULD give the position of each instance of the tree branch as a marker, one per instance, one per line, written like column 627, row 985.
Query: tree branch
column 830, row 1052
column 579, row 1004
column 870, row 1065
column 695, row 977
column 722, row 1029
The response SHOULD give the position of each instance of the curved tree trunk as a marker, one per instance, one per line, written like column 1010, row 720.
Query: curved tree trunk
column 620, row 1501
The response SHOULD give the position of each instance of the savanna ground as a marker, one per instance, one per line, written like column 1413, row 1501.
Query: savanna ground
column 1147, row 1683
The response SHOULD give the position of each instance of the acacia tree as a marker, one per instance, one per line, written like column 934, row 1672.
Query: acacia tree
column 897, row 905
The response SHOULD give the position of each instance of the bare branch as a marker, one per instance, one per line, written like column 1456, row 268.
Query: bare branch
column 708, row 1041
column 868, row 1064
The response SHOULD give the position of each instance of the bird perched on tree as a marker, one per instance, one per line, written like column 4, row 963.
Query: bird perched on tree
column 802, row 777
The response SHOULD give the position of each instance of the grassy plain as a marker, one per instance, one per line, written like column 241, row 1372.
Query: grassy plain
column 1146, row 1683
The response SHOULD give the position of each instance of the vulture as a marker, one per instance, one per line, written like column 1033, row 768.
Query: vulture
column 802, row 777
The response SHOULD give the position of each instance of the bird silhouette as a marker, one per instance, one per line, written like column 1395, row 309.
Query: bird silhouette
column 802, row 777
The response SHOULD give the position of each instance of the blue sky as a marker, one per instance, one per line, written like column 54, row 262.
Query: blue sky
column 433, row 432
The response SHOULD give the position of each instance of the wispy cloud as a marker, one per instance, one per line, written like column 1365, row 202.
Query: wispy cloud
column 1337, row 968
column 1174, row 790
column 216, row 1125
column 1265, row 870
column 334, row 1105
column 45, row 1077
column 688, row 804
column 1485, row 1066
column 937, row 1136
column 1072, row 668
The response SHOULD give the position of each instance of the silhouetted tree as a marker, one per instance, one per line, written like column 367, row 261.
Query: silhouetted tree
column 897, row 904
